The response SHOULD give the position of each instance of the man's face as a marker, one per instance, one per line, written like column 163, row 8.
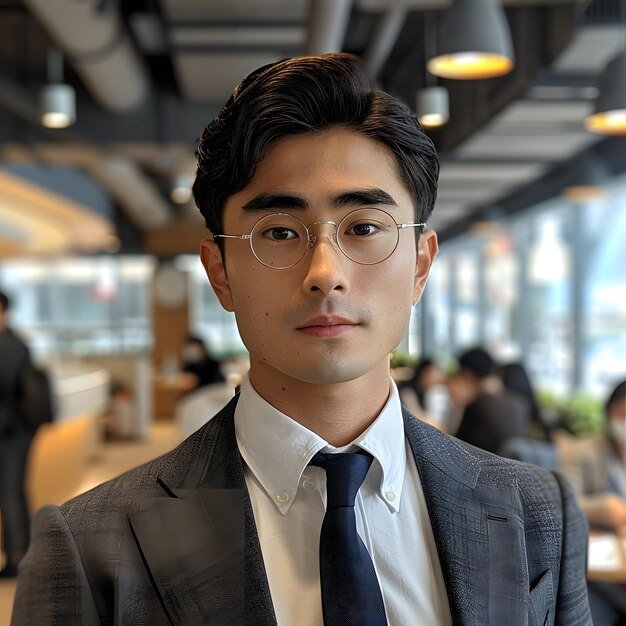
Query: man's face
column 327, row 319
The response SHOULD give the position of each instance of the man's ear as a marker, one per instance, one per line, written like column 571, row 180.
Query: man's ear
column 211, row 258
column 427, row 249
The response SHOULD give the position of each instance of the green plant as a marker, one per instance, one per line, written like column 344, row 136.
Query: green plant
column 581, row 414
column 403, row 359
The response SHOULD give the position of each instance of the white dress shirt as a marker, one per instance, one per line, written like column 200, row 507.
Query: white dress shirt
column 288, row 500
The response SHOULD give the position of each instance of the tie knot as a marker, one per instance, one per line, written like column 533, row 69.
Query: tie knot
column 345, row 474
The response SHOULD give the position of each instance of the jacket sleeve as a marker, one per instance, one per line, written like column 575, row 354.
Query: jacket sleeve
column 52, row 587
column 572, row 607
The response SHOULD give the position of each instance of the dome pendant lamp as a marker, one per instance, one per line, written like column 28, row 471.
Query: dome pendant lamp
column 474, row 42
column 609, row 116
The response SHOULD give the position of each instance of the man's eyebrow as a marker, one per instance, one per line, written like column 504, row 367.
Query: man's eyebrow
column 352, row 198
column 364, row 197
column 268, row 201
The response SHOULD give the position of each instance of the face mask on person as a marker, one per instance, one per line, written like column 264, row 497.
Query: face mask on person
column 617, row 430
column 192, row 354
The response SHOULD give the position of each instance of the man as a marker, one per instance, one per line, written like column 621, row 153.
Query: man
column 491, row 415
column 15, row 439
column 315, row 187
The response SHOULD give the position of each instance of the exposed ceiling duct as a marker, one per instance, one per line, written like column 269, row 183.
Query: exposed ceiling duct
column 328, row 20
column 135, row 194
column 99, row 49
column 383, row 40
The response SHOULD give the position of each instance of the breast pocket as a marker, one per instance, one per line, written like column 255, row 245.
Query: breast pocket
column 541, row 601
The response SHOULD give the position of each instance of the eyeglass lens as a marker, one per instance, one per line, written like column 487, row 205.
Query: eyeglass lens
column 366, row 236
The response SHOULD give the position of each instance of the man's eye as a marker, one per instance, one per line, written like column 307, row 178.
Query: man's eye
column 280, row 233
column 363, row 229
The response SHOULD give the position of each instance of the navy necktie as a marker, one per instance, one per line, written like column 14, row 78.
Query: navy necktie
column 351, row 595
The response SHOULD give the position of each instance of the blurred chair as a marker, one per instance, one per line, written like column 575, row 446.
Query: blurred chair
column 199, row 406
column 539, row 453
column 58, row 459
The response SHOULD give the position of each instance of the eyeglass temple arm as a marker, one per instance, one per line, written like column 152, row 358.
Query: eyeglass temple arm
column 232, row 236
column 421, row 225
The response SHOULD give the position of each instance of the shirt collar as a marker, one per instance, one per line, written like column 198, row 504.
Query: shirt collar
column 277, row 449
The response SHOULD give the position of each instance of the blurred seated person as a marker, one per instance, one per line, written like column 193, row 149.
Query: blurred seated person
column 490, row 415
column 596, row 467
column 516, row 380
column 425, row 394
column 197, row 361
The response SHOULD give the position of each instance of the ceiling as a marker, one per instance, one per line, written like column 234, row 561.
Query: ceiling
column 151, row 73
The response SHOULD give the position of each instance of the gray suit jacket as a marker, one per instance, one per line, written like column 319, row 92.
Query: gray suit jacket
column 174, row 541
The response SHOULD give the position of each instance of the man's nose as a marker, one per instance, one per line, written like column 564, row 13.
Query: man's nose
column 326, row 262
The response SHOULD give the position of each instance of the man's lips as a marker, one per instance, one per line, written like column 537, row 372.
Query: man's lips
column 327, row 326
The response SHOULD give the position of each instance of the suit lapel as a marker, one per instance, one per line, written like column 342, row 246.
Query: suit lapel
column 478, row 531
column 197, row 538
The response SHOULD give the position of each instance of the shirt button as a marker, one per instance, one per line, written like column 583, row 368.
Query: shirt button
column 283, row 497
column 390, row 495
column 309, row 484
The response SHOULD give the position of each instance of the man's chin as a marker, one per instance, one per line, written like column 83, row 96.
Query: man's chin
column 333, row 372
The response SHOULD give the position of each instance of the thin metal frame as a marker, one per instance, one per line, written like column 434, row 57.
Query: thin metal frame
column 313, row 238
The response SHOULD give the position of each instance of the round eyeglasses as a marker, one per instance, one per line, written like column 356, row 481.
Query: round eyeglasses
column 365, row 236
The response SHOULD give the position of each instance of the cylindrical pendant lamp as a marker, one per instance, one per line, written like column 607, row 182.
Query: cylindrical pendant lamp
column 433, row 109
column 58, row 105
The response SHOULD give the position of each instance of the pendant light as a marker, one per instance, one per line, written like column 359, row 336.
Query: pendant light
column 57, row 98
column 609, row 116
column 181, row 192
column 474, row 42
column 433, row 109
column 432, row 103
column 589, row 179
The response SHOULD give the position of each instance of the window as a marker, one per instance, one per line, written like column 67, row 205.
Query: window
column 547, row 285
column 207, row 318
column 82, row 306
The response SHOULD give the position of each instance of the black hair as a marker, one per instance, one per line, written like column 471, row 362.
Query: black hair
column 477, row 361
column 198, row 341
column 423, row 364
column 618, row 394
column 515, row 378
column 305, row 95
column 5, row 303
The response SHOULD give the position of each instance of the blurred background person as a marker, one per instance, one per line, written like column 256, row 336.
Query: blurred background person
column 596, row 468
column 516, row 380
column 425, row 394
column 197, row 360
column 210, row 392
column 15, row 440
column 490, row 415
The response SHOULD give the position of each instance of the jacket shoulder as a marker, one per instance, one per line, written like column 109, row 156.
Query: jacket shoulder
column 484, row 468
column 131, row 491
